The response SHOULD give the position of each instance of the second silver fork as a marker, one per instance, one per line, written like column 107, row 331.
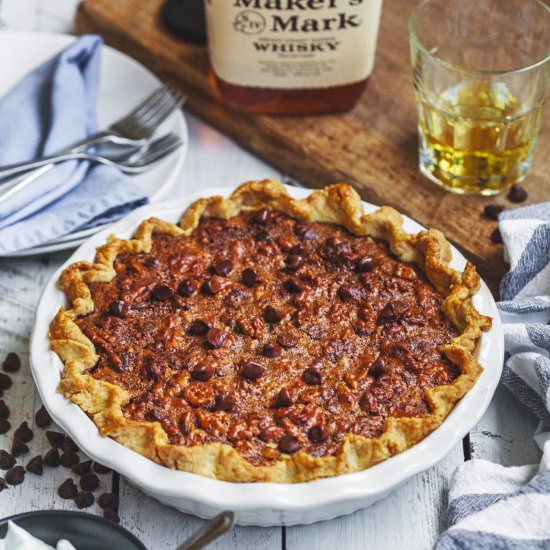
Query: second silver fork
column 134, row 128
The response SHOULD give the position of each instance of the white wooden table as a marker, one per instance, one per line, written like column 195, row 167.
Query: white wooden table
column 410, row 518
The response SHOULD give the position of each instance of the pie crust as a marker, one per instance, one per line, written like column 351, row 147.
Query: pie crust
column 336, row 204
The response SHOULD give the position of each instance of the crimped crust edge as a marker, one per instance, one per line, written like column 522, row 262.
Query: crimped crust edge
column 338, row 203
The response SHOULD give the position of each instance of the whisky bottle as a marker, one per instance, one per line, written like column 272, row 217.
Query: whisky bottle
column 292, row 57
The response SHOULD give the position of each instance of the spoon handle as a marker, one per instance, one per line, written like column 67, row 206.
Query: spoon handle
column 209, row 531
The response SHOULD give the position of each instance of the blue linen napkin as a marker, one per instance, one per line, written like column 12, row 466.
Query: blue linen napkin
column 52, row 107
column 491, row 506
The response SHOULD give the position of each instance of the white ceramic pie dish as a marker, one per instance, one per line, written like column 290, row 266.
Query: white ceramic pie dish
column 262, row 504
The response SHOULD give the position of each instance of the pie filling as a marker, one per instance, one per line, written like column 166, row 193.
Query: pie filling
column 270, row 335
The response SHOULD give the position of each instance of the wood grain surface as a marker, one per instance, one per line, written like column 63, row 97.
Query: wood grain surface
column 374, row 146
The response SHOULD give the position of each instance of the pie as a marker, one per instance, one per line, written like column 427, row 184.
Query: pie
column 269, row 339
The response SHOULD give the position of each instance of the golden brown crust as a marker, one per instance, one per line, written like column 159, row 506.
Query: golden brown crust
column 339, row 204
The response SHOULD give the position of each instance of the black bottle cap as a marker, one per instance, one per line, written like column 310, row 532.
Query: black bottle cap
column 185, row 19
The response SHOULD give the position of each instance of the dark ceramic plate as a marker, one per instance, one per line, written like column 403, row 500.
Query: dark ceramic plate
column 83, row 531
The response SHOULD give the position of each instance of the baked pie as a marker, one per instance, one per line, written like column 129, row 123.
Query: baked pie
column 269, row 339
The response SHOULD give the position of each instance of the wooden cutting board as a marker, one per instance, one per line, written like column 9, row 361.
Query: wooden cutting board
column 374, row 146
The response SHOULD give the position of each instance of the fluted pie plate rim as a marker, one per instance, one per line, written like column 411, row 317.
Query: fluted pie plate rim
column 257, row 503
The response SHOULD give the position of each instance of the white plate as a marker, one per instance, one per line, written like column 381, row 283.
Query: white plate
column 257, row 503
column 123, row 84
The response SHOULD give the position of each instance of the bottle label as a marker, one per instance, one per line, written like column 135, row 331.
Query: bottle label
column 292, row 43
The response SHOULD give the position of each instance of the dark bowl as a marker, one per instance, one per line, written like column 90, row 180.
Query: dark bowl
column 83, row 531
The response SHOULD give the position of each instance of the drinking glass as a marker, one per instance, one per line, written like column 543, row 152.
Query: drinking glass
column 481, row 74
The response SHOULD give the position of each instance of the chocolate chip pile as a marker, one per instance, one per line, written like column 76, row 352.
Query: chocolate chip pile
column 517, row 194
column 63, row 452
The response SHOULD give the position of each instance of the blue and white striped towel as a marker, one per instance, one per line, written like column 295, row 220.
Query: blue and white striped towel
column 491, row 506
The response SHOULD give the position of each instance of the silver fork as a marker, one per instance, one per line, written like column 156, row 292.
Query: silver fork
column 138, row 124
column 137, row 163
column 131, row 130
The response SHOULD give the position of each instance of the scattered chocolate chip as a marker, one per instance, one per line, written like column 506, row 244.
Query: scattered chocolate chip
column 18, row 447
column 271, row 315
column 214, row 285
column 365, row 401
column 84, row 499
column 82, row 468
column 517, row 193
column 260, row 216
column 215, row 337
column 262, row 235
column 101, row 469
column 317, row 434
column 156, row 415
column 224, row 402
column 89, row 482
column 345, row 293
column 289, row 444
column 67, row 489
column 294, row 261
column 304, row 232
column 198, row 328
column 223, row 267
column 187, row 288
column 377, row 368
column 293, row 286
column 4, row 426
column 252, row 370
column 7, row 461
column 298, row 249
column 108, row 500
column 496, row 237
column 162, row 293
column 287, row 340
column 35, row 466
column 42, row 417
column 283, row 399
column 249, row 277
column 24, row 433
column 387, row 314
column 118, row 308
column 69, row 446
column 271, row 350
column 202, row 372
column 52, row 458
column 111, row 515
column 5, row 381
column 492, row 211
column 69, row 459
column 55, row 439
column 4, row 410
column 311, row 376
column 15, row 475
column 3, row 484
column 365, row 264
column 12, row 362
column 151, row 262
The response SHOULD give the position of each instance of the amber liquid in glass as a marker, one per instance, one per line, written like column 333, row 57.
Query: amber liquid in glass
column 476, row 138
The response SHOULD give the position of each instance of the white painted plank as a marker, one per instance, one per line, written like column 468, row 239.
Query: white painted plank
column 505, row 433
column 38, row 15
column 163, row 528
column 55, row 15
column 20, row 285
column 411, row 517
column 214, row 160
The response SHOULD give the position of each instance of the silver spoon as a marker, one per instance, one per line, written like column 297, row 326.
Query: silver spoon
column 209, row 531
